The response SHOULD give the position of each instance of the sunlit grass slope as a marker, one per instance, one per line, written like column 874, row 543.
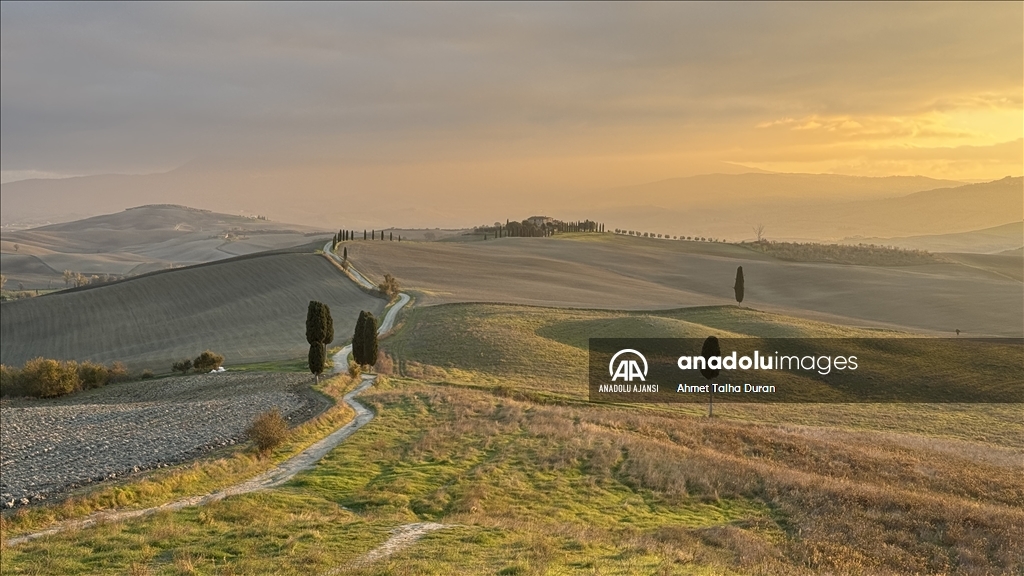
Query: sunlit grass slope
column 530, row 488
column 541, row 353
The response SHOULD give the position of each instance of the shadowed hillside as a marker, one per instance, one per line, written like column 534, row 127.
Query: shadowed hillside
column 248, row 309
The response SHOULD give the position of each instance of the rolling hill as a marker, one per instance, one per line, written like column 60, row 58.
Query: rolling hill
column 138, row 240
column 987, row 241
column 627, row 273
column 814, row 207
column 251, row 308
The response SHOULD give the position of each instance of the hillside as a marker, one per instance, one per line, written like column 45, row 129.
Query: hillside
column 248, row 309
column 812, row 207
column 616, row 272
column 987, row 241
column 138, row 240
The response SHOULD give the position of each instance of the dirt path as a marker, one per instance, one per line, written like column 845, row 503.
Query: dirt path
column 269, row 479
column 401, row 538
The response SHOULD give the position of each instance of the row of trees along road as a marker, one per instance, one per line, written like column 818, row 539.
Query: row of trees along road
column 320, row 333
column 346, row 235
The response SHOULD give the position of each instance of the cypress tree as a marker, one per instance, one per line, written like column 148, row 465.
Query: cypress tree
column 345, row 252
column 709, row 349
column 357, row 339
column 738, row 287
column 369, row 340
column 391, row 236
column 317, row 359
column 319, row 333
column 364, row 234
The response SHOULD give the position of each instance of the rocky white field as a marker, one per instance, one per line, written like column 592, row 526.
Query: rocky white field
column 51, row 446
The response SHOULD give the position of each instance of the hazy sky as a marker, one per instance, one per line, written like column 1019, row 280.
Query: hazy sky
column 539, row 95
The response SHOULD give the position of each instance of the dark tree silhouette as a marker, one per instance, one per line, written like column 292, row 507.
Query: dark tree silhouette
column 357, row 338
column 319, row 333
column 738, row 287
column 369, row 340
column 709, row 349
column 317, row 359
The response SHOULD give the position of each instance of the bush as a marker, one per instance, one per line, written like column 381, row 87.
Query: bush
column 10, row 382
column 47, row 378
column 183, row 366
column 146, row 374
column 93, row 375
column 117, row 372
column 389, row 287
column 268, row 431
column 354, row 370
column 207, row 361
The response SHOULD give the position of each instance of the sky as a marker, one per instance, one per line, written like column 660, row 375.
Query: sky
column 458, row 99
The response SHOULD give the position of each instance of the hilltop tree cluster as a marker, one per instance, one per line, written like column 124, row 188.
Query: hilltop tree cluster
column 537, row 227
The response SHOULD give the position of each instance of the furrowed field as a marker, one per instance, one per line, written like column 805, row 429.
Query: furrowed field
column 249, row 309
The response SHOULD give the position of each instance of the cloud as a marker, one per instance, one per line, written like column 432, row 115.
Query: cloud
column 135, row 87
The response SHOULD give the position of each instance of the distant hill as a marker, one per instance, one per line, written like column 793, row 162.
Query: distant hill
column 997, row 239
column 138, row 240
column 251, row 308
column 810, row 207
column 718, row 189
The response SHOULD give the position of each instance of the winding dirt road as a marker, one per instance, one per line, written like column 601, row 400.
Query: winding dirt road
column 269, row 479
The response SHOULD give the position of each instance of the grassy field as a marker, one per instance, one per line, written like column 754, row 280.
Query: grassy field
column 527, row 488
column 250, row 310
column 627, row 273
column 488, row 433
column 541, row 354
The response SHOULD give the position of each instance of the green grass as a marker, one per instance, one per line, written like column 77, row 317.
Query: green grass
column 541, row 353
column 488, row 433
column 534, row 489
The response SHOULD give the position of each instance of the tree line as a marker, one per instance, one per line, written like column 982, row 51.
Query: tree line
column 349, row 235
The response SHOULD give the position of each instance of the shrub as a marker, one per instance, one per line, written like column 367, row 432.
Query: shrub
column 10, row 381
column 207, row 361
column 385, row 364
column 389, row 286
column 47, row 378
column 268, row 431
column 117, row 372
column 146, row 374
column 182, row 366
column 93, row 375
column 354, row 370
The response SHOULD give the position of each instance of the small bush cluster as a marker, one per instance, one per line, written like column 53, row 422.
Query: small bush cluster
column 205, row 362
column 389, row 287
column 48, row 378
column 268, row 431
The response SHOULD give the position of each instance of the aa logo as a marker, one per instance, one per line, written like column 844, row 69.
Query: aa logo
column 627, row 368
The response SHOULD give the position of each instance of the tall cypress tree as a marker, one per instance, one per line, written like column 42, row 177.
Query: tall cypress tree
column 319, row 333
column 709, row 349
column 317, row 359
column 369, row 340
column 357, row 339
column 738, row 287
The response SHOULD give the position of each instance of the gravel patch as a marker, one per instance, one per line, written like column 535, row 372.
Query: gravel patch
column 48, row 447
